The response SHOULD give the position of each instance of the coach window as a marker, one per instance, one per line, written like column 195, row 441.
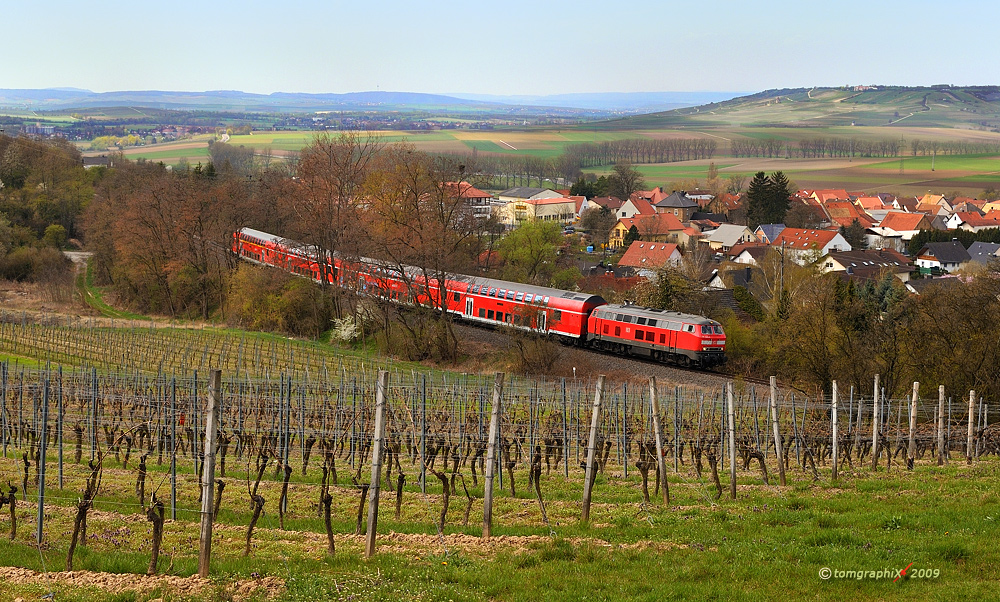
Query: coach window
column 501, row 293
column 663, row 339
column 640, row 321
column 650, row 336
column 519, row 297
column 454, row 296
column 628, row 319
column 651, row 322
column 517, row 319
column 510, row 295
column 620, row 318
column 489, row 314
column 618, row 331
column 545, row 301
column 639, row 335
column 557, row 315
column 482, row 312
column 605, row 329
column 493, row 292
column 528, row 297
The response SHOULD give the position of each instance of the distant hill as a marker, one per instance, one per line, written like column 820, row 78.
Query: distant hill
column 600, row 105
column 975, row 107
column 626, row 102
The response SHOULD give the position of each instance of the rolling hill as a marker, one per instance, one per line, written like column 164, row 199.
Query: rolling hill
column 975, row 107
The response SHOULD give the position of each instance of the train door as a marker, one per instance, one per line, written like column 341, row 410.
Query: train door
column 468, row 306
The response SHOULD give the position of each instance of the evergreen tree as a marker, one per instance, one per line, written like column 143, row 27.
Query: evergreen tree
column 631, row 236
column 855, row 235
column 758, row 197
column 779, row 194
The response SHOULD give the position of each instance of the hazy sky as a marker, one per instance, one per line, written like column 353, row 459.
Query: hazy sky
column 489, row 47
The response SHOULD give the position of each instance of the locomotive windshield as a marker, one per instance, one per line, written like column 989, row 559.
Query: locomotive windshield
column 718, row 329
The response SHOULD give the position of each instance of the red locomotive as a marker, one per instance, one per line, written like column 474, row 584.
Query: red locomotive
column 575, row 318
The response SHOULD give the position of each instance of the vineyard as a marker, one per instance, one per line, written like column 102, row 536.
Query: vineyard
column 110, row 423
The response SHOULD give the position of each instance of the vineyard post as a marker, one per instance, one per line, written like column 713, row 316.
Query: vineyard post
column 41, row 460
column 677, row 434
column 423, row 432
column 875, row 421
column 732, row 439
column 777, row 434
column 173, row 448
column 195, row 422
column 911, row 452
column 968, row 443
column 979, row 424
column 940, row 433
column 857, row 422
column 208, row 473
column 3, row 399
column 565, row 432
column 625, row 430
column 59, row 426
column 491, row 455
column 833, row 427
column 592, row 449
column 381, row 391
column 661, row 463
column 93, row 413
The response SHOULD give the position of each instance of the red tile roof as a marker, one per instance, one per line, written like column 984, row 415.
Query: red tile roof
column 990, row 220
column 466, row 191
column 642, row 206
column 843, row 213
column 641, row 254
column 904, row 222
column 833, row 194
column 802, row 238
column 659, row 223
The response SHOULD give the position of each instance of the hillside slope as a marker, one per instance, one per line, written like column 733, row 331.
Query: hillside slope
column 941, row 106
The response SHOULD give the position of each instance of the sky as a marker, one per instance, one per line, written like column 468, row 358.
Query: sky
column 487, row 47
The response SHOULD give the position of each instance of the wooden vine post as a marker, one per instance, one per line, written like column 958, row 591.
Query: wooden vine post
column 911, row 451
column 661, row 463
column 875, row 421
column 731, row 412
column 972, row 413
column 491, row 455
column 778, row 447
column 940, row 421
column 833, row 427
column 208, row 474
column 591, row 472
column 381, row 391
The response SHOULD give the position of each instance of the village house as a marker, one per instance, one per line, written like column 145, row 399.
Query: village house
column 727, row 236
column 647, row 257
column 984, row 252
column 661, row 227
column 805, row 246
column 635, row 206
column 947, row 256
column 973, row 221
column 677, row 204
column 479, row 202
column 867, row 264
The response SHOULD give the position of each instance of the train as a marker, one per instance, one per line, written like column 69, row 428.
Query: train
column 573, row 318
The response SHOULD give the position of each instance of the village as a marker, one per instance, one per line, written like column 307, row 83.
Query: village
column 858, row 235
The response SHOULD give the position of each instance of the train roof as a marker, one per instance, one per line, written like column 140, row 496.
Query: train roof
column 537, row 291
column 649, row 312
column 264, row 236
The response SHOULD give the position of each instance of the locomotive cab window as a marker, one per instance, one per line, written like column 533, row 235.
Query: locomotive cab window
column 706, row 329
column 718, row 329
column 689, row 328
column 557, row 315
column 454, row 296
